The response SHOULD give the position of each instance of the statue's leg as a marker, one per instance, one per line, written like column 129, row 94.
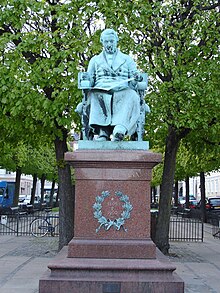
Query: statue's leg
column 104, row 133
column 119, row 132
column 125, row 113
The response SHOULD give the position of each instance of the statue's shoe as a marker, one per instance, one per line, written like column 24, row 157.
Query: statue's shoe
column 102, row 138
column 118, row 137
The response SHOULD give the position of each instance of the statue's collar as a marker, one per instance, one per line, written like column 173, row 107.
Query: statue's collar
column 117, row 59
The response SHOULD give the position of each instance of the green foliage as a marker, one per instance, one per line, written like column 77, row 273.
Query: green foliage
column 45, row 43
column 202, row 156
column 42, row 47
column 177, row 43
column 38, row 159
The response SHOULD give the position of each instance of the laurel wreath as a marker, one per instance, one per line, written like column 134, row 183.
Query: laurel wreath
column 108, row 223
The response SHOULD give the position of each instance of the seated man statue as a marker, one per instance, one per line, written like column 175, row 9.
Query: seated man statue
column 114, row 102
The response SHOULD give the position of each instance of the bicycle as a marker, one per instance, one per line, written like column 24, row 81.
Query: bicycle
column 41, row 226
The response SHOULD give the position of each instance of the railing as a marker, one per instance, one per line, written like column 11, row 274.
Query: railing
column 185, row 229
column 215, row 221
column 181, row 227
column 19, row 223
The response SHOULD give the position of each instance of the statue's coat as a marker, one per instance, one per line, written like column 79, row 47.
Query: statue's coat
column 121, row 106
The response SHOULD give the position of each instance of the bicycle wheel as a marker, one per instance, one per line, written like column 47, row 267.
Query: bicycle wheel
column 39, row 227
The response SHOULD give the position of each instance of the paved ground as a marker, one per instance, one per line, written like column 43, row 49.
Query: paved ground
column 23, row 260
column 198, row 264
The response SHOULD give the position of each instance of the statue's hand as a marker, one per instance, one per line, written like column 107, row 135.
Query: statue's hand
column 85, row 76
column 84, row 80
column 137, row 76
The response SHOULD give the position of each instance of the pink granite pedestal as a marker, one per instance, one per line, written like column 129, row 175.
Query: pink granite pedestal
column 104, row 259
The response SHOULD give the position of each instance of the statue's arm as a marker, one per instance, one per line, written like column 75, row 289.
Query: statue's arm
column 133, row 73
column 92, row 70
column 132, row 70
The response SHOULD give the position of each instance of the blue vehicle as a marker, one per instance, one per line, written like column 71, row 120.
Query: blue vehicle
column 7, row 191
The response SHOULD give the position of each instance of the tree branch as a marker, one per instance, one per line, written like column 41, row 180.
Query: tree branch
column 210, row 7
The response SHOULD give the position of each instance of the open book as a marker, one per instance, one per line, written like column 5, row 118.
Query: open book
column 114, row 85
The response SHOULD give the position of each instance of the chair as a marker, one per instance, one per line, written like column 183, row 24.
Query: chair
column 83, row 109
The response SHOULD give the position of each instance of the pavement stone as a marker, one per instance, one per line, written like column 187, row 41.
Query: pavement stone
column 23, row 261
column 198, row 263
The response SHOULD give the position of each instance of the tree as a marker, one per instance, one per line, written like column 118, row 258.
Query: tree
column 13, row 159
column 177, row 43
column 41, row 45
column 200, row 154
column 189, row 55
column 21, row 157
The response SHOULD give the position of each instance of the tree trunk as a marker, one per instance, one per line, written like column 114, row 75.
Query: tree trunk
column 187, row 192
column 176, row 195
column 17, row 186
column 42, row 183
column 162, row 231
column 52, row 193
column 154, row 194
column 33, row 191
column 203, row 201
column 66, row 195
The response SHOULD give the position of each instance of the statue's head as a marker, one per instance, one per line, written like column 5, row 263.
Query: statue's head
column 109, row 40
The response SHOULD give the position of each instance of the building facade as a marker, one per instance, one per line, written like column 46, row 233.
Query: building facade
column 212, row 185
column 26, row 182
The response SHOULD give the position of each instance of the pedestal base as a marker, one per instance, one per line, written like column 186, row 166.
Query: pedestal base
column 87, row 275
column 111, row 251
column 106, row 248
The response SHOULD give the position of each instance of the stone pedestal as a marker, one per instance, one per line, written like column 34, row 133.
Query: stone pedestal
column 111, row 251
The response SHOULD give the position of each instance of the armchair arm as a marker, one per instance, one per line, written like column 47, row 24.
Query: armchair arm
column 142, row 85
column 84, row 81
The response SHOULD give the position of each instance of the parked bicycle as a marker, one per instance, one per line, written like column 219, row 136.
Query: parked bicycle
column 41, row 226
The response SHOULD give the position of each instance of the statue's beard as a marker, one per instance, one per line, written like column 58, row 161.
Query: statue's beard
column 110, row 49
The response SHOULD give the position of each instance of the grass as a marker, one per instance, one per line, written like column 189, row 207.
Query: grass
column 55, row 209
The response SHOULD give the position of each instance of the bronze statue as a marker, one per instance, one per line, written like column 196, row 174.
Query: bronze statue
column 112, row 104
